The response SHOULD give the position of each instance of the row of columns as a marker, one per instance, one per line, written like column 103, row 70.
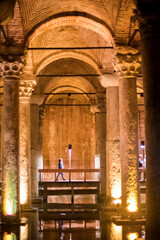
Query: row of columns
column 128, row 150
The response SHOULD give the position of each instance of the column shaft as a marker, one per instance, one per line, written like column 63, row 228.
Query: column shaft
column 113, row 143
column 26, row 86
column 101, row 134
column 25, row 185
column 10, row 162
column 34, row 148
column 150, row 35
column 129, row 143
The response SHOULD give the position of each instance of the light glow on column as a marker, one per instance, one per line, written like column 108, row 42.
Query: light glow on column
column 9, row 207
column 132, row 236
column 132, row 184
column 9, row 236
column 24, row 148
column 23, row 193
column 117, row 201
column 70, row 154
column 116, row 232
column 132, row 205
column 9, row 197
column 116, row 190
column 24, row 232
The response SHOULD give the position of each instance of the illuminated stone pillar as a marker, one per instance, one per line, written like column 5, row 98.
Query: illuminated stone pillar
column 40, row 150
column 128, row 61
column 113, row 168
column 26, row 87
column 10, row 141
column 36, row 100
column 149, row 21
column 100, row 119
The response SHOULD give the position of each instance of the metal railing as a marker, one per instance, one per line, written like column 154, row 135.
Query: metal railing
column 69, row 172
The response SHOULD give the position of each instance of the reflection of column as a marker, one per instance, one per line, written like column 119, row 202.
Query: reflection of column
column 115, row 232
column 36, row 100
column 149, row 20
column 30, row 230
column 110, row 82
column 25, row 184
column 128, row 63
column 10, row 159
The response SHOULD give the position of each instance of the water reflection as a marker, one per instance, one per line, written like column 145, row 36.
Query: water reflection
column 43, row 229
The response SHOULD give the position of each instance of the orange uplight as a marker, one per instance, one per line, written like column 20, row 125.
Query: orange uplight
column 132, row 205
column 117, row 201
column 116, row 190
column 9, row 207
column 23, row 193
column 9, row 236
column 132, row 236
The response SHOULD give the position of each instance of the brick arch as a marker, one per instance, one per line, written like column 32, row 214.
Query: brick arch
column 83, row 98
column 60, row 55
column 74, row 21
column 82, row 84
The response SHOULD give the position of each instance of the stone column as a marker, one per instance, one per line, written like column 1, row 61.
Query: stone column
column 36, row 100
column 113, row 179
column 128, row 61
column 10, row 153
column 26, row 87
column 149, row 21
column 40, row 150
column 100, row 119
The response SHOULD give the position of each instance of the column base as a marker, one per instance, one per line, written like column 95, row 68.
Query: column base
column 29, row 209
column 22, row 221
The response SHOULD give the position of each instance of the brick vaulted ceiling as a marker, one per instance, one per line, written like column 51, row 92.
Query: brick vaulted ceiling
column 113, row 14
column 34, row 24
column 38, row 11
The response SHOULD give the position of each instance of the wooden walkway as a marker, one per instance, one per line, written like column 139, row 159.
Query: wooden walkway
column 84, row 184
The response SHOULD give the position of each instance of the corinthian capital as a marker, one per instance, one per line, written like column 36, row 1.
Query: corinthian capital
column 12, row 67
column 25, row 88
column 128, row 62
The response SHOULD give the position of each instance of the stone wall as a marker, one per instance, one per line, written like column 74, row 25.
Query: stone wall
column 65, row 125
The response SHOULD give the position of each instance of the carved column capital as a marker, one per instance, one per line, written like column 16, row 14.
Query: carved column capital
column 128, row 62
column 12, row 66
column 25, row 88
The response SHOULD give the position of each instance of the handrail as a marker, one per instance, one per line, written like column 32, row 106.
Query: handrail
column 70, row 171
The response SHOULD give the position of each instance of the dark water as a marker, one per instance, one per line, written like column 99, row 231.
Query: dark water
column 45, row 228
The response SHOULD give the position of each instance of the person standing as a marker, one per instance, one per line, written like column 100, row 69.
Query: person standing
column 60, row 166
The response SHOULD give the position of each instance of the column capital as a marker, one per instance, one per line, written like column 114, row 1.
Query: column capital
column 128, row 61
column 26, row 87
column 109, row 80
column 11, row 66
